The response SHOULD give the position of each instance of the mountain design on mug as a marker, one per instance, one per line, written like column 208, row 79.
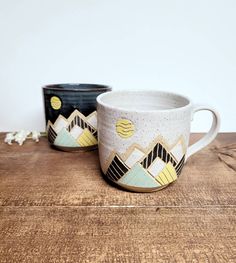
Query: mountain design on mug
column 75, row 131
column 156, row 167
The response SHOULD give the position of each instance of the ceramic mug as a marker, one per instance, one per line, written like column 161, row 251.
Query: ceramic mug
column 70, row 111
column 144, row 137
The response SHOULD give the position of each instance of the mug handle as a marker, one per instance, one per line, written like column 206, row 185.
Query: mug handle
column 208, row 137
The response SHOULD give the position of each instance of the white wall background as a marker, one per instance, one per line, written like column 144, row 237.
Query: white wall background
column 187, row 47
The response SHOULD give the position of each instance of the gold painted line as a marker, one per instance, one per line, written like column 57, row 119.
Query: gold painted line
column 82, row 141
column 166, row 177
column 125, row 127
column 124, row 124
column 86, row 138
column 159, row 180
column 125, row 131
column 128, row 133
column 169, row 173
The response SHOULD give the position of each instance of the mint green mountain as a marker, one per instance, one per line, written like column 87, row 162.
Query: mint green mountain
column 64, row 138
column 137, row 176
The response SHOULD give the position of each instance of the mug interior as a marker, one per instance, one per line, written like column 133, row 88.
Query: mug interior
column 143, row 100
column 77, row 87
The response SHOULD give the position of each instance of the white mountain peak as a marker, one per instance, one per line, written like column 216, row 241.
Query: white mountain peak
column 135, row 156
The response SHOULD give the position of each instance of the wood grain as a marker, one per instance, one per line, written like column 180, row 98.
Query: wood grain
column 80, row 234
column 56, row 207
column 35, row 174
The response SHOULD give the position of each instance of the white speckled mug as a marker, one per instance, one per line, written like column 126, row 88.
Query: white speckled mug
column 143, row 137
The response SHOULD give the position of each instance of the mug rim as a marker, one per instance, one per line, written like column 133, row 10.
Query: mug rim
column 109, row 106
column 92, row 87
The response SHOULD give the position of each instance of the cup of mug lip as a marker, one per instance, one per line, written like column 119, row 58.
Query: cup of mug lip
column 83, row 89
column 128, row 101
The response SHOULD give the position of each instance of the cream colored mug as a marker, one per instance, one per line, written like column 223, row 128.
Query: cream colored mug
column 143, row 137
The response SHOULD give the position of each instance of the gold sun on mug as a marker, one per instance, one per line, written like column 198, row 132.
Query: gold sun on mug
column 125, row 128
column 55, row 102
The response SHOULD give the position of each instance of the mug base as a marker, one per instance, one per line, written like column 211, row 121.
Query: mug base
column 142, row 189
column 74, row 149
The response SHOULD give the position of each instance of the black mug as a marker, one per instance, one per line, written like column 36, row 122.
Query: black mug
column 71, row 117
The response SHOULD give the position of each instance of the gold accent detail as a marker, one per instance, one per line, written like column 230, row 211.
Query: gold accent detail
column 145, row 150
column 141, row 189
column 124, row 128
column 91, row 115
column 55, row 103
column 86, row 138
column 70, row 118
column 167, row 175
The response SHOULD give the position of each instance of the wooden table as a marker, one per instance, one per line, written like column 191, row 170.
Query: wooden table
column 56, row 207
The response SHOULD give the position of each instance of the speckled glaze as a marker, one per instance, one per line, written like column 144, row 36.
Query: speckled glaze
column 143, row 137
column 71, row 118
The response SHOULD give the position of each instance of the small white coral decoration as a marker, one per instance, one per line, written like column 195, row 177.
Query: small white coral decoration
column 36, row 135
column 9, row 138
column 21, row 136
